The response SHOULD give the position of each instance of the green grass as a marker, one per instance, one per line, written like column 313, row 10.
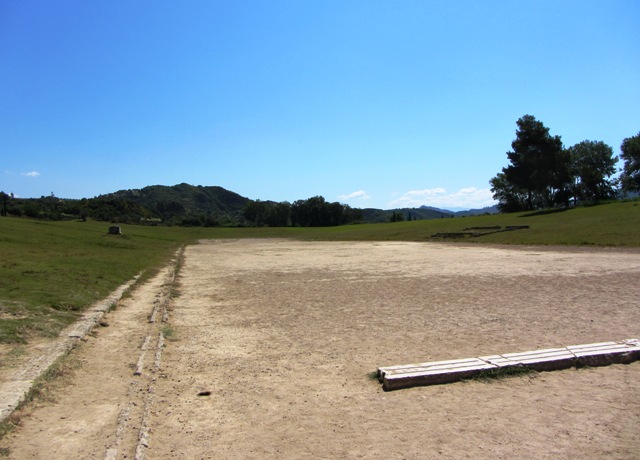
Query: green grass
column 43, row 389
column 614, row 224
column 51, row 271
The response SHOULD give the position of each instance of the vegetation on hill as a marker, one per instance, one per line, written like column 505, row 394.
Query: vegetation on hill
column 181, row 204
column 184, row 205
column 312, row 212
column 198, row 206
column 543, row 174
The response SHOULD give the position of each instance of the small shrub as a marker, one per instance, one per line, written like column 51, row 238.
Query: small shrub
column 169, row 333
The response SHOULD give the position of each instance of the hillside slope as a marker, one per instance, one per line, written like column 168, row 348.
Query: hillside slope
column 184, row 199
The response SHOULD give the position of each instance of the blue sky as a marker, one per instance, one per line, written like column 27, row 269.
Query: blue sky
column 372, row 103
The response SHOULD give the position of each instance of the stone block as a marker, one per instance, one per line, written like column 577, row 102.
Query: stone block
column 433, row 373
column 550, row 359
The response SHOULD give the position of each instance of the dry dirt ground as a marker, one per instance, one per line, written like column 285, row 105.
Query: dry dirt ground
column 270, row 346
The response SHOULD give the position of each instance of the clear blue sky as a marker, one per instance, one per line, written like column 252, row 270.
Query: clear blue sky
column 372, row 103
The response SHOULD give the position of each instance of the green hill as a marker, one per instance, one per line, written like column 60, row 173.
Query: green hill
column 185, row 201
column 181, row 204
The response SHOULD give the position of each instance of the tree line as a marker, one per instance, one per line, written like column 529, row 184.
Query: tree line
column 544, row 174
column 54, row 208
column 312, row 212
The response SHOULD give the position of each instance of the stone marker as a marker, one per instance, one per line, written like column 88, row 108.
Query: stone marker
column 394, row 378
column 115, row 230
column 605, row 353
column 551, row 359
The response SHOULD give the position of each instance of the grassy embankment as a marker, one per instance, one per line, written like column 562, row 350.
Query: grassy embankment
column 51, row 271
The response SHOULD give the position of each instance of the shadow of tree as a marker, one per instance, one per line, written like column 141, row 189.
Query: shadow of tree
column 543, row 212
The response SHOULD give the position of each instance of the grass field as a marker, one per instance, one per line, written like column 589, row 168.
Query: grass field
column 51, row 271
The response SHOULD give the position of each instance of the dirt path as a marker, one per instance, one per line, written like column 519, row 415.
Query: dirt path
column 96, row 409
column 272, row 344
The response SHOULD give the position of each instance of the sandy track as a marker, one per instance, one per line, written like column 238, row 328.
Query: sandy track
column 285, row 334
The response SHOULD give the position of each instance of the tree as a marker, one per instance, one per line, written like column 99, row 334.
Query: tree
column 539, row 165
column 309, row 212
column 630, row 177
column 510, row 198
column 592, row 163
column 317, row 212
column 257, row 212
column 5, row 198
column 279, row 214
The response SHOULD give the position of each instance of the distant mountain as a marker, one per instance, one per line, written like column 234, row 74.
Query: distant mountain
column 445, row 212
column 478, row 212
column 373, row 216
column 468, row 212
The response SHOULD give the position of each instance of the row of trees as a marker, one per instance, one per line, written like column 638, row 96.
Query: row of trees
column 544, row 174
column 312, row 212
column 54, row 208
column 181, row 204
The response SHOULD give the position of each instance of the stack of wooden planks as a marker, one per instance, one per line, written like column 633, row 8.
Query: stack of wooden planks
column 436, row 372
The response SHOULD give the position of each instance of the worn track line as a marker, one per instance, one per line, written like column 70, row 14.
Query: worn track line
column 17, row 384
column 160, row 305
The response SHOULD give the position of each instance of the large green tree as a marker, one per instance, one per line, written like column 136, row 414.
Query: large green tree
column 260, row 213
column 317, row 212
column 4, row 198
column 630, row 177
column 510, row 198
column 257, row 212
column 539, row 165
column 592, row 165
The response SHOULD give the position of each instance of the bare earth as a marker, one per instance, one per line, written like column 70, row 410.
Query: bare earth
column 285, row 336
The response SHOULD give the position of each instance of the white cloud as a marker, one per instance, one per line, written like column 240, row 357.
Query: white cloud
column 359, row 195
column 466, row 198
column 31, row 174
